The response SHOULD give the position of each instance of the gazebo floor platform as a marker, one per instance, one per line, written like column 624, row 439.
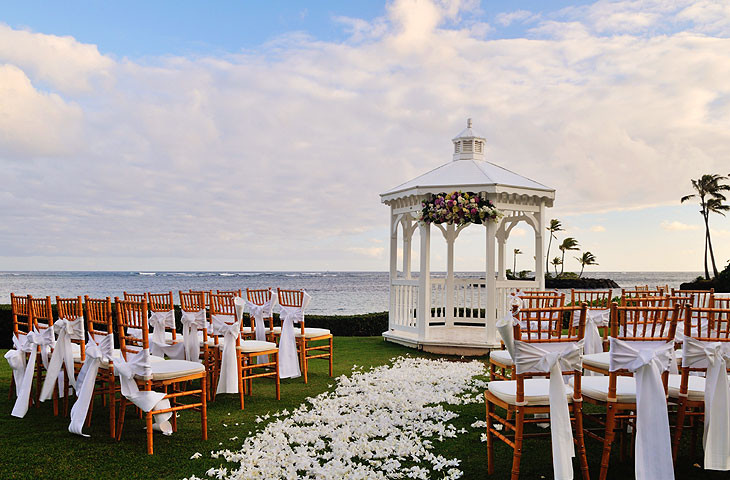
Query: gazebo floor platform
column 459, row 341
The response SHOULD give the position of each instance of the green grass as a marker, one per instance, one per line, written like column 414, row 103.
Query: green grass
column 39, row 446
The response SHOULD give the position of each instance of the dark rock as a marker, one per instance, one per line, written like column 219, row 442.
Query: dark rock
column 580, row 283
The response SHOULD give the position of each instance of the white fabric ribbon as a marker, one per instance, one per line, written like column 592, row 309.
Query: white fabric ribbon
column 595, row 318
column 554, row 358
column 139, row 365
column 715, row 357
column 228, row 379
column 288, row 359
column 62, row 356
column 16, row 359
column 95, row 354
column 259, row 312
column 191, row 322
column 653, row 450
column 505, row 327
column 33, row 340
column 158, row 321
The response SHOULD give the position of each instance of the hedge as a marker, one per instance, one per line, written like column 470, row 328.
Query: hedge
column 364, row 325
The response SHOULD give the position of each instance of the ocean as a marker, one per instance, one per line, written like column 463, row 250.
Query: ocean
column 333, row 293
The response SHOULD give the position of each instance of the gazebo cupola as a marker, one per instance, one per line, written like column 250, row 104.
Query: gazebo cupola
column 454, row 314
column 467, row 145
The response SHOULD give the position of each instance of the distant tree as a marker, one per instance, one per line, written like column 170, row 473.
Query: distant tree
column 514, row 262
column 569, row 243
column 555, row 226
column 586, row 259
column 709, row 190
column 555, row 262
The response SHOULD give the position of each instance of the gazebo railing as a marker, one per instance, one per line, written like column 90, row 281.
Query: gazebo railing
column 403, row 303
column 505, row 287
column 468, row 306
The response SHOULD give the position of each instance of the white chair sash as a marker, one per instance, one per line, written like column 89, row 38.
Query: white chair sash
column 33, row 340
column 228, row 379
column 715, row 357
column 259, row 312
column 158, row 321
column 95, row 354
column 139, row 365
column 62, row 356
column 191, row 322
column 288, row 359
column 16, row 359
column 647, row 360
column 505, row 327
column 554, row 358
column 595, row 319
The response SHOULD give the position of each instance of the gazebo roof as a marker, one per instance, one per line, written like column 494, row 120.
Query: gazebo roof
column 469, row 171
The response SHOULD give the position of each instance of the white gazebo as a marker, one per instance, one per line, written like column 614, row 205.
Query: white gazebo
column 449, row 314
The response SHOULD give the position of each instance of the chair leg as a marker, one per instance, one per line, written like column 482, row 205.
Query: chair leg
column 149, row 433
column 120, row 419
column 112, row 404
column 241, row 392
column 580, row 439
column 303, row 357
column 490, row 439
column 519, row 425
column 332, row 351
column 608, row 439
column 204, row 408
column 278, row 387
column 681, row 411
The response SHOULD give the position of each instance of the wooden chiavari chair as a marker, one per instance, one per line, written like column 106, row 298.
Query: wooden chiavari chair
column 99, row 324
column 526, row 396
column 135, row 297
column 615, row 391
column 235, row 293
column 699, row 298
column 500, row 361
column 41, row 314
column 195, row 304
column 260, row 297
column 306, row 337
column 688, row 389
column 163, row 303
column 71, row 309
column 719, row 302
column 223, row 308
column 246, row 331
column 165, row 375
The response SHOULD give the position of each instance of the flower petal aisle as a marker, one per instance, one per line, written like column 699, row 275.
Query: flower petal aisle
column 376, row 424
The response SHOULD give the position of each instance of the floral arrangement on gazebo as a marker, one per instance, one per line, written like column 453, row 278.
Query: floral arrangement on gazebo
column 458, row 208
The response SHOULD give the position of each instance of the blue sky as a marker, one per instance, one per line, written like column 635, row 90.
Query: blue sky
column 258, row 135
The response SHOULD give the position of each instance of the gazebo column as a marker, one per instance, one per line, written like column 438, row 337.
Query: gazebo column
column 393, row 264
column 501, row 243
column 450, row 238
column 491, row 313
column 424, row 282
column 407, row 250
column 540, row 247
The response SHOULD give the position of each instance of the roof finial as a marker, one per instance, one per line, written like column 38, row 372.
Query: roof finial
column 468, row 123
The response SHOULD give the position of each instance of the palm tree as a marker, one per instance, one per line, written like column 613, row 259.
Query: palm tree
column 514, row 263
column 586, row 259
column 555, row 262
column 555, row 226
column 569, row 243
column 709, row 188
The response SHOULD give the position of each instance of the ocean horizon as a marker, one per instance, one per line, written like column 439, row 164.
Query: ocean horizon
column 333, row 292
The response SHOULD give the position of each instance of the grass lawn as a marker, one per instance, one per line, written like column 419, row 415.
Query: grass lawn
column 39, row 446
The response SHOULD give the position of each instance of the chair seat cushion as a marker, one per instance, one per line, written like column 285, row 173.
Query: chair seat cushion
column 275, row 331
column 597, row 388
column 168, row 369
column 695, row 387
column 502, row 357
column 311, row 332
column 536, row 391
column 248, row 330
column 255, row 346
column 597, row 360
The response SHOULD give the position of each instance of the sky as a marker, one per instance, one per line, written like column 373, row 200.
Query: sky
column 259, row 135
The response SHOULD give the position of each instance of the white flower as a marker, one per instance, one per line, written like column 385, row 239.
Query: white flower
column 196, row 455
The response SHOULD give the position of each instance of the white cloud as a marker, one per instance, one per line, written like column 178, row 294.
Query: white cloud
column 598, row 228
column 520, row 16
column 678, row 226
column 245, row 156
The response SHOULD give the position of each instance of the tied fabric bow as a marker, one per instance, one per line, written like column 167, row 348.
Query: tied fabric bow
column 554, row 358
column 715, row 356
column 158, row 321
column 505, row 324
column 259, row 312
column 95, row 354
column 191, row 322
column 653, row 451
column 62, row 355
column 288, row 359
column 138, row 364
column 595, row 318
column 33, row 341
column 228, row 380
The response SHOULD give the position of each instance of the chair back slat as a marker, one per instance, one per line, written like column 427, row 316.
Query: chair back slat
column 132, row 315
column 235, row 293
column 192, row 301
column 135, row 297
column 698, row 298
column 22, row 319
column 72, row 308
column 542, row 323
column 710, row 324
column 290, row 298
column 98, row 317
column 592, row 298
column 644, row 323
column 259, row 297
column 160, row 302
column 206, row 295
column 719, row 302
column 41, row 312
column 542, row 300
